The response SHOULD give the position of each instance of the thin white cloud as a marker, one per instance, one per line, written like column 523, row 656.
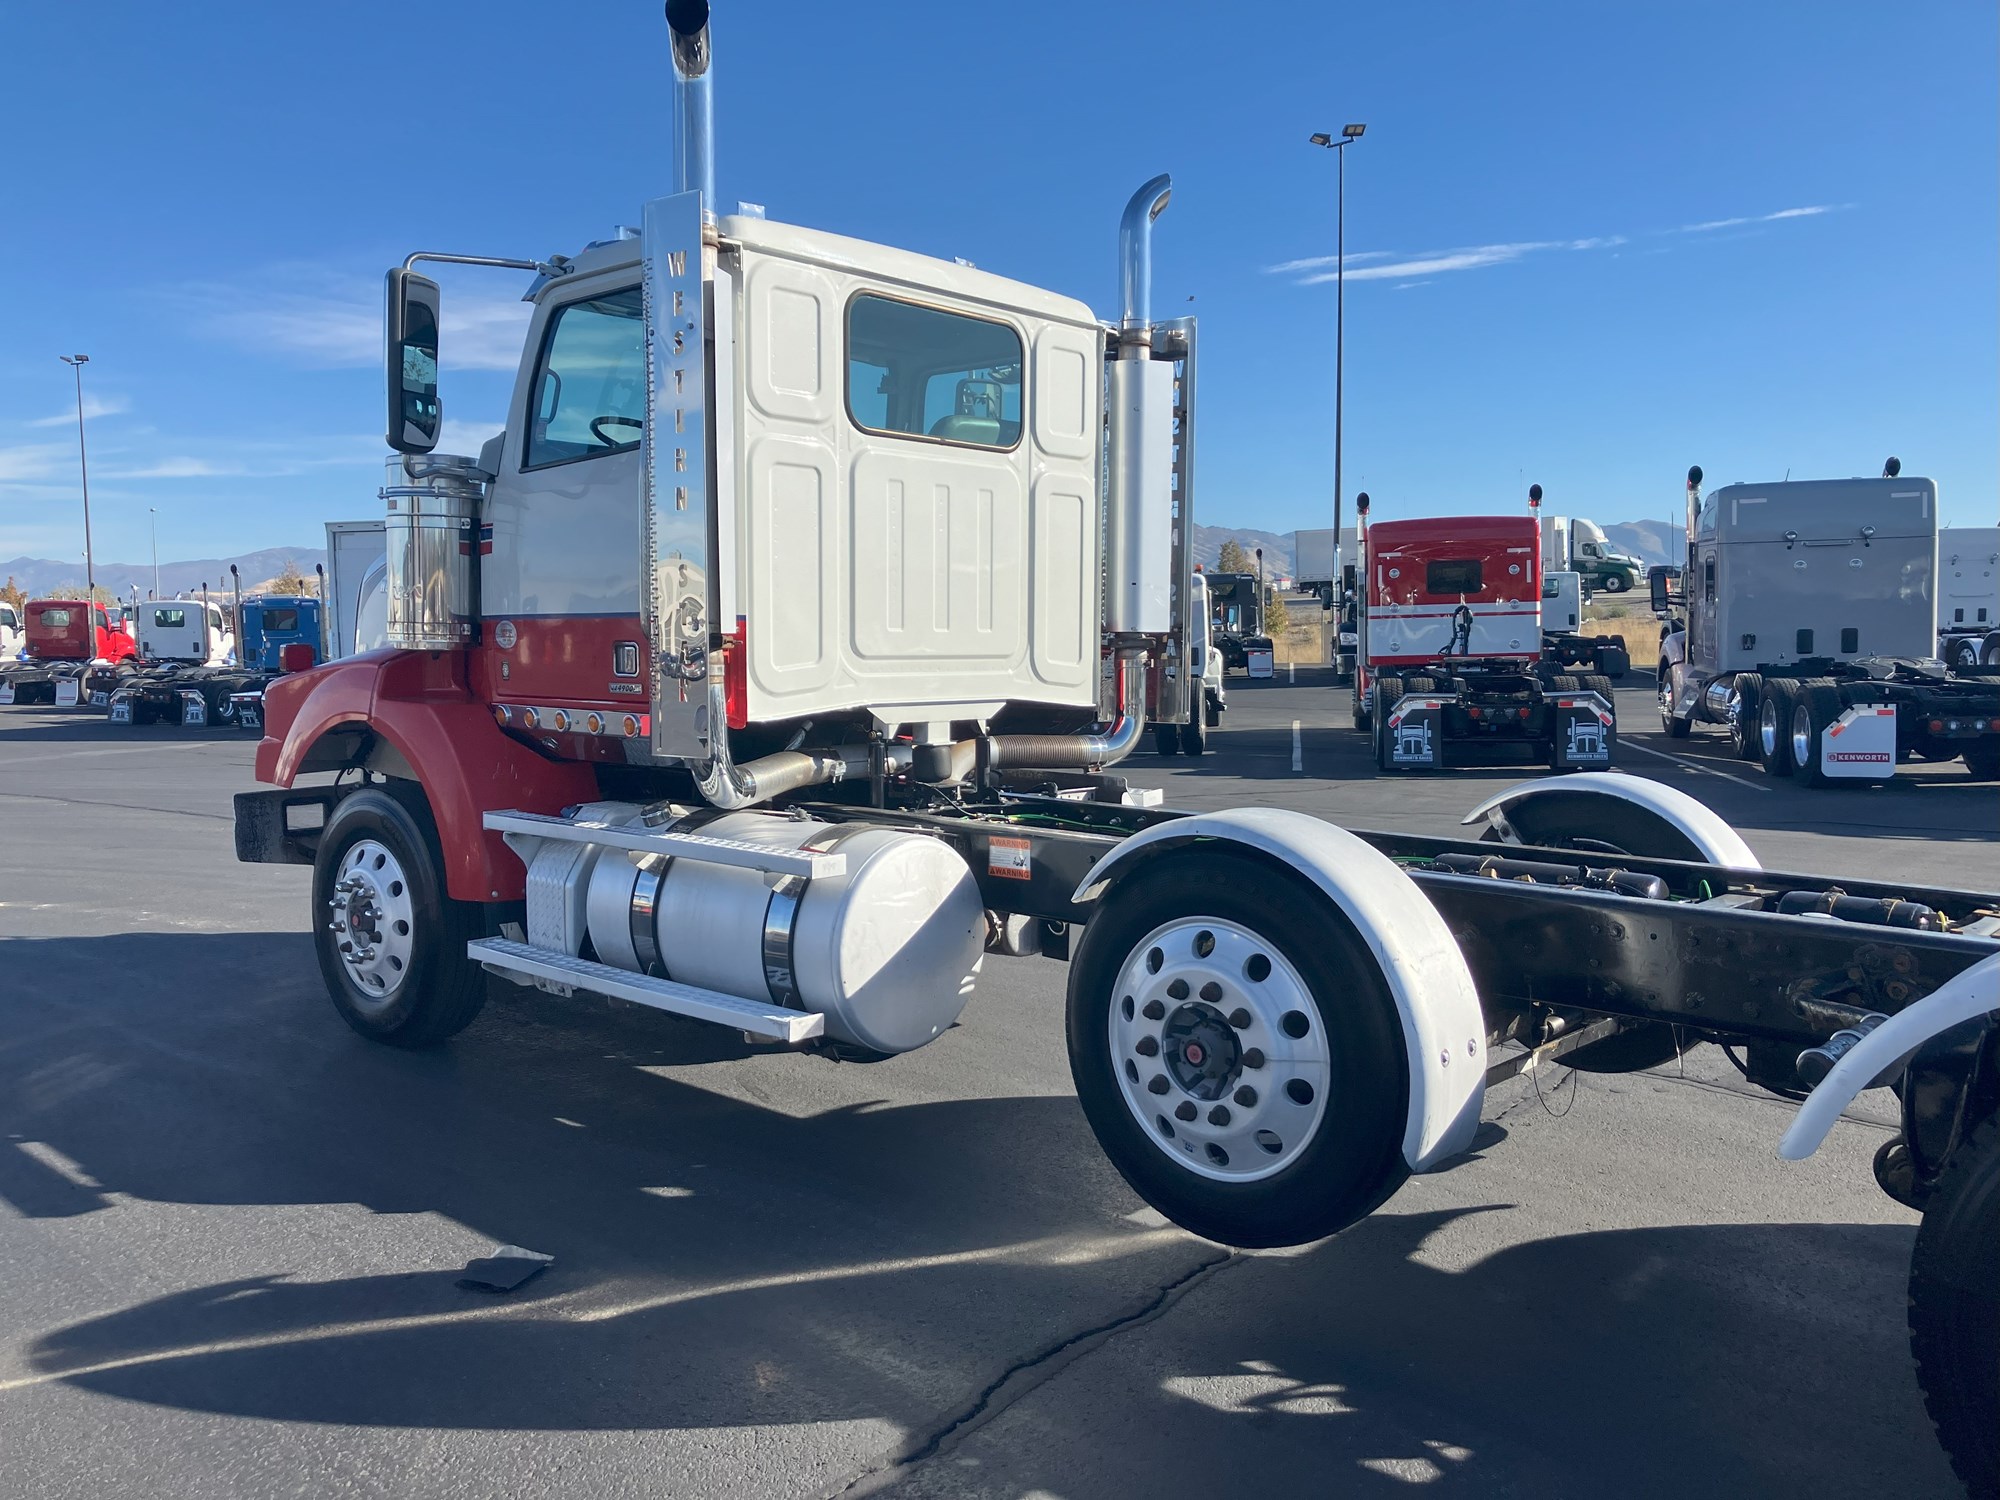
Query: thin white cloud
column 333, row 320
column 1383, row 265
column 27, row 461
column 176, row 468
column 1808, row 212
column 93, row 406
column 1405, row 286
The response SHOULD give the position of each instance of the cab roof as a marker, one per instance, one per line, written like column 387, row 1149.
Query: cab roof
column 1469, row 530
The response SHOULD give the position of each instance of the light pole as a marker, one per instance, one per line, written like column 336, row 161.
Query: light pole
column 1348, row 135
column 76, row 362
column 153, row 511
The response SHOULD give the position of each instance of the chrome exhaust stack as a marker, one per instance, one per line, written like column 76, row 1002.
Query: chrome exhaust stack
column 694, row 101
column 1135, row 266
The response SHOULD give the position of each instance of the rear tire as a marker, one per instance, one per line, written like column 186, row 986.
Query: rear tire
column 1983, row 760
column 1612, row 661
column 1955, row 1308
column 1329, row 1092
column 1817, row 706
column 1776, row 700
column 1743, row 707
column 1194, row 737
column 419, row 988
column 1387, row 691
column 1617, row 583
column 1964, row 653
column 1166, row 740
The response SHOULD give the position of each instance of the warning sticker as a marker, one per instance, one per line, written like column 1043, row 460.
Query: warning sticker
column 1007, row 858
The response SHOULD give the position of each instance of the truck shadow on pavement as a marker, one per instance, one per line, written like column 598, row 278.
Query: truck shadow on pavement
column 724, row 1263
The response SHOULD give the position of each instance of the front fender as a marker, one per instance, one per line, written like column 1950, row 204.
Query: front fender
column 417, row 704
column 1976, row 992
column 1444, row 1030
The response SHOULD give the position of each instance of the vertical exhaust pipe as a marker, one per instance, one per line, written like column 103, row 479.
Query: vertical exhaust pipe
column 694, row 103
column 1693, row 508
column 1135, row 265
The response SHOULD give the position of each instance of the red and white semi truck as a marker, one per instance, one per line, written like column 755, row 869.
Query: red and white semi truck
column 768, row 668
column 62, row 640
column 1451, row 663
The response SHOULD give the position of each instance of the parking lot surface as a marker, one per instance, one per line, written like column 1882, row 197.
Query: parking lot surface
column 233, row 1231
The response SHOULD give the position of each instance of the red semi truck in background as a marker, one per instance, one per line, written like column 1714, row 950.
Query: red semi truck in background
column 1450, row 660
column 64, row 636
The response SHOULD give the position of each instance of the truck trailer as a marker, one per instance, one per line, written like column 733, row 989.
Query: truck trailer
column 1451, row 661
column 1805, row 624
column 776, row 675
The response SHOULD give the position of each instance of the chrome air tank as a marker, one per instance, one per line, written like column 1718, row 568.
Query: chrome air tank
column 888, row 950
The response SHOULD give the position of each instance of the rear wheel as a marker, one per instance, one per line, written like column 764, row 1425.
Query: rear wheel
column 1613, row 661
column 1166, row 741
column 1388, row 690
column 1964, row 653
column 391, row 942
column 1236, row 1051
column 1983, row 760
column 1955, row 1308
column 1813, row 712
column 1743, row 708
column 1989, row 649
column 1194, row 736
column 1616, row 583
column 1777, row 697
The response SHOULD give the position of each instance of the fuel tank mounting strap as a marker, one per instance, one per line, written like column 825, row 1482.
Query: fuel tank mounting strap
column 781, row 915
column 645, row 910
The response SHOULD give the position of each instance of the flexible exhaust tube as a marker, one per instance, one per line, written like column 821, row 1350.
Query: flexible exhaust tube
column 694, row 102
column 1078, row 752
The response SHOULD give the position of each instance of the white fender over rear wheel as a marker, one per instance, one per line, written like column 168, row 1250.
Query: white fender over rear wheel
column 1614, row 813
column 1269, row 1025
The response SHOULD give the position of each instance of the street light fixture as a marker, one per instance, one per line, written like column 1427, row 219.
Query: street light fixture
column 76, row 362
column 1348, row 135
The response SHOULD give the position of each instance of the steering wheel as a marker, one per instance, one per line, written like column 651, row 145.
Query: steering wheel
column 597, row 425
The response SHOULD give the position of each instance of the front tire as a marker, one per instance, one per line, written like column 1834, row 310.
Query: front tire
column 1194, row 737
column 1237, row 1052
column 1617, row 583
column 391, row 942
column 1677, row 729
column 1743, row 709
column 1955, row 1309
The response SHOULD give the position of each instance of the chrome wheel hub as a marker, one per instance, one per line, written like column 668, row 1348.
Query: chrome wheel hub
column 1768, row 730
column 373, row 920
column 1801, row 735
column 1219, row 1050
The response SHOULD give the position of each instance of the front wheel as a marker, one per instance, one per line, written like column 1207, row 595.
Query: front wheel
column 391, row 942
column 1236, row 1051
column 1955, row 1308
column 1194, row 736
column 1616, row 583
column 1677, row 729
column 1743, row 709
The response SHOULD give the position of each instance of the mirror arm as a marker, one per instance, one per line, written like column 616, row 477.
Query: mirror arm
column 555, row 265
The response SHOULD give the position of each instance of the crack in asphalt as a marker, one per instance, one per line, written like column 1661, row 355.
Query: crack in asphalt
column 1022, row 1377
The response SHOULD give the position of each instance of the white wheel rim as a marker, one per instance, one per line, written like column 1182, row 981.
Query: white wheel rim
column 1220, row 1055
column 1666, row 697
column 373, row 921
column 1801, row 735
column 1767, row 728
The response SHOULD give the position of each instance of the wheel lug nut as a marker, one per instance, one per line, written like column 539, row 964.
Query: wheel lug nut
column 1185, row 1110
column 1219, row 1115
column 1147, row 1046
column 1253, row 1058
column 1246, row 1096
column 1211, row 992
column 1157, row 1084
column 1239, row 1019
column 1153, row 1010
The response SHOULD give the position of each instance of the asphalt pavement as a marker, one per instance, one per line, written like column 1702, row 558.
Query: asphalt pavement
column 232, row 1232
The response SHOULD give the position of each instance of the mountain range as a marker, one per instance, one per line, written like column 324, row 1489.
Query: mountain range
column 43, row 575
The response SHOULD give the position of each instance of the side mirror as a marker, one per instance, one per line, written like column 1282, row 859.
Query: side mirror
column 1664, row 583
column 411, row 318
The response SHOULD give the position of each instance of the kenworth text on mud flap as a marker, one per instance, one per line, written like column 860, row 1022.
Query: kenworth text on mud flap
column 1804, row 623
column 1451, row 665
column 62, row 639
column 753, row 674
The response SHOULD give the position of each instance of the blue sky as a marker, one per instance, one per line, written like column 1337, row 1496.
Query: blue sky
column 1589, row 244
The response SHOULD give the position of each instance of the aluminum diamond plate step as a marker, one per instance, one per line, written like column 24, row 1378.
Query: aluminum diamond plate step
column 696, row 846
column 762, row 1019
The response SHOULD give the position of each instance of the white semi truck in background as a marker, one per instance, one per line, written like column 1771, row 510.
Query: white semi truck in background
column 773, row 668
column 1968, row 595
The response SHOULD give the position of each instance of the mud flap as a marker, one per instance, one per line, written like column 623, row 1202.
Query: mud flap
column 120, row 711
column 67, row 689
column 1585, row 731
column 1416, row 734
column 6, row 692
column 194, row 709
column 1860, row 744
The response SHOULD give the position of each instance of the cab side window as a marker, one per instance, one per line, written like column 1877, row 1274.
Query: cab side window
column 589, row 396
column 922, row 372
